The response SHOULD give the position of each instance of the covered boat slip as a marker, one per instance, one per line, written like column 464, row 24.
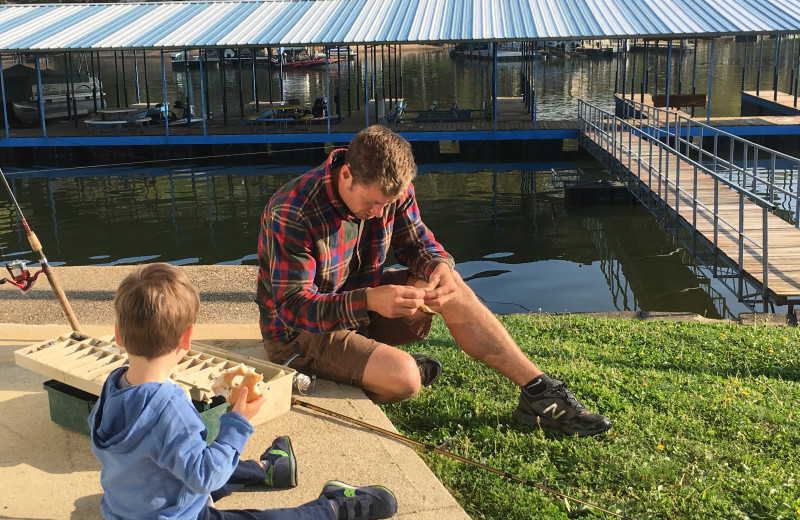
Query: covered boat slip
column 204, row 27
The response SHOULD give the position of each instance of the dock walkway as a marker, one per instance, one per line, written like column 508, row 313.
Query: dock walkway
column 739, row 228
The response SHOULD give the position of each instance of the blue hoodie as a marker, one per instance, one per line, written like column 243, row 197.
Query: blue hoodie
column 151, row 444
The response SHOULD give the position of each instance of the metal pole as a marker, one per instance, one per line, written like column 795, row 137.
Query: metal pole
column 366, row 86
column 3, row 95
column 269, row 72
column 744, row 62
column 791, row 75
column 136, row 75
column 694, row 73
column 775, row 67
column 400, row 49
column 669, row 69
column 760, row 56
column 253, row 71
column 124, row 81
column 203, row 93
column 328, row 86
column 41, row 101
column 238, row 56
column 349, row 84
column 494, row 88
column 146, row 83
column 164, row 92
column 67, row 76
column 535, row 85
column 710, row 77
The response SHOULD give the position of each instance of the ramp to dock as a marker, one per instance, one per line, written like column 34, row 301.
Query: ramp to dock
column 724, row 203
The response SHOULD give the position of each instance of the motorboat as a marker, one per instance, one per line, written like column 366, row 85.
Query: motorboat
column 62, row 96
column 182, row 58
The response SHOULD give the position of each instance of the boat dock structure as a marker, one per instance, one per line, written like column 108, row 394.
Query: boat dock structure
column 360, row 49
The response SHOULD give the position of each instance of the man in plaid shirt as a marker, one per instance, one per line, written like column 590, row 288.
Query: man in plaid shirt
column 323, row 294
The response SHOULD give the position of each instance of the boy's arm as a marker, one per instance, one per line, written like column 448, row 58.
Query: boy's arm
column 204, row 468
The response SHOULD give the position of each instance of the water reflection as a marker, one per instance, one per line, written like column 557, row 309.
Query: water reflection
column 515, row 239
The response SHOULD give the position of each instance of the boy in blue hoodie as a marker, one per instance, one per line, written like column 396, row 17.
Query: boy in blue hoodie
column 151, row 441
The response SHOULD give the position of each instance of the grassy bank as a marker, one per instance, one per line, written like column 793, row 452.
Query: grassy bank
column 706, row 421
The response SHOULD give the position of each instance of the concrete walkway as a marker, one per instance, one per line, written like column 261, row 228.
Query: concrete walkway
column 49, row 472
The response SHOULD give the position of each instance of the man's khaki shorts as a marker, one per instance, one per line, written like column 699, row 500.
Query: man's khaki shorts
column 342, row 355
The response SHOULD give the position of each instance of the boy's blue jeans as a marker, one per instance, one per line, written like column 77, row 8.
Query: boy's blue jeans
column 248, row 473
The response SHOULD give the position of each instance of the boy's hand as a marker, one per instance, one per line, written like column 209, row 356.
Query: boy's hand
column 248, row 410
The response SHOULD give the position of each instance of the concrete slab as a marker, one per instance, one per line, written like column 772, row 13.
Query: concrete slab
column 49, row 472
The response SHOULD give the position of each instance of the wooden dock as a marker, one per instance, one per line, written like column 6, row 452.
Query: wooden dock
column 512, row 116
column 688, row 194
column 780, row 115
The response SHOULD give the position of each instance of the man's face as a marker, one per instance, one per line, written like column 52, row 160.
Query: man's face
column 364, row 202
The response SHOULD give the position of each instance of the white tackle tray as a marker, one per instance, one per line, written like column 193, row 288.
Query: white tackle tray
column 84, row 362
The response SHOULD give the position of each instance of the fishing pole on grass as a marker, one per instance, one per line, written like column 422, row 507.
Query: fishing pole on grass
column 21, row 276
column 430, row 447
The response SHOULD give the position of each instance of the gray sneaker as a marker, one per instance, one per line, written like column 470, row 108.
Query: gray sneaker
column 281, row 464
column 430, row 368
column 360, row 503
column 559, row 409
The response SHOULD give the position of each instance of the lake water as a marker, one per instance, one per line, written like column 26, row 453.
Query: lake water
column 516, row 240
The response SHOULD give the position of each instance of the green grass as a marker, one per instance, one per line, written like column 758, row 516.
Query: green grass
column 705, row 421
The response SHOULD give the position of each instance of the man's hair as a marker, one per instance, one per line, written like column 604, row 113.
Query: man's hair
column 154, row 307
column 377, row 156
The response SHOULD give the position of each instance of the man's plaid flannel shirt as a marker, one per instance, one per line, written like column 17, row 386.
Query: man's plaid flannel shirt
column 316, row 259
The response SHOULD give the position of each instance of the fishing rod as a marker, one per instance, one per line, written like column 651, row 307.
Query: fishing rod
column 431, row 447
column 21, row 277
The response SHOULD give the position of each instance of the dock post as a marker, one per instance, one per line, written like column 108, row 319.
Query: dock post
column 41, row 101
column 710, row 77
column 3, row 97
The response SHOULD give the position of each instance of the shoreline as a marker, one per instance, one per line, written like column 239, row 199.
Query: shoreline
column 226, row 297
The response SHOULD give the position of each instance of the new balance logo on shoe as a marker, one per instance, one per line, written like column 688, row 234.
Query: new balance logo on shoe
column 558, row 408
column 553, row 411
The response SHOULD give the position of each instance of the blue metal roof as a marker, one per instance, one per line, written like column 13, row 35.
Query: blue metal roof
column 260, row 23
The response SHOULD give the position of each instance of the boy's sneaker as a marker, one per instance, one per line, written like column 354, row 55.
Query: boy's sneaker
column 430, row 368
column 360, row 503
column 280, row 464
column 559, row 409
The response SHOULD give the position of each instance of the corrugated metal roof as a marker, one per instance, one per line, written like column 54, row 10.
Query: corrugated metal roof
column 169, row 25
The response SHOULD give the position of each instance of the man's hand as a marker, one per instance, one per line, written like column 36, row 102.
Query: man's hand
column 248, row 410
column 394, row 301
column 441, row 287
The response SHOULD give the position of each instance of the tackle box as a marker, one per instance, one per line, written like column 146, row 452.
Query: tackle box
column 81, row 363
column 70, row 408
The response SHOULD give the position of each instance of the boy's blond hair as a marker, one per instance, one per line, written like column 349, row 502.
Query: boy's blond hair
column 154, row 307
column 377, row 156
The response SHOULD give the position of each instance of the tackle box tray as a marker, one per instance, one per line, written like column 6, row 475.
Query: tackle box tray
column 84, row 362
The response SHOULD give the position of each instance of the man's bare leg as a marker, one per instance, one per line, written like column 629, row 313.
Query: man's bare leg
column 391, row 375
column 481, row 335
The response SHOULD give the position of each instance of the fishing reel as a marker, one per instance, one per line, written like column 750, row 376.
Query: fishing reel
column 20, row 275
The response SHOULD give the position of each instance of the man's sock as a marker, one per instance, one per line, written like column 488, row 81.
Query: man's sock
column 537, row 385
